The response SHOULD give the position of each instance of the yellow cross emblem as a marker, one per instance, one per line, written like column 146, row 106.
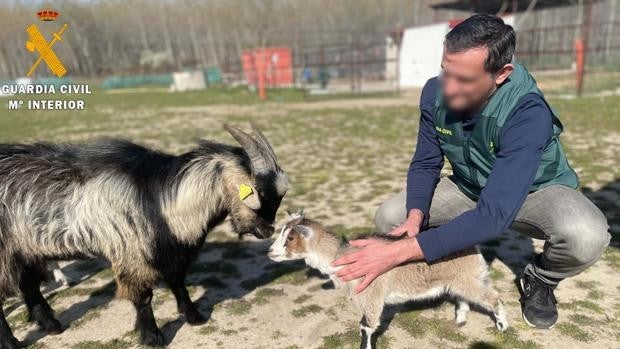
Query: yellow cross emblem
column 37, row 42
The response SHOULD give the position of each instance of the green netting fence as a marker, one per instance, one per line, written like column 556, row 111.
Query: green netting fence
column 212, row 76
column 133, row 81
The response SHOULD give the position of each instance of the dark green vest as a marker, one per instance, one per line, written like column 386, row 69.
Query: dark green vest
column 472, row 157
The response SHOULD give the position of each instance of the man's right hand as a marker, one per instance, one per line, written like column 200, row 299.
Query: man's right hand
column 411, row 226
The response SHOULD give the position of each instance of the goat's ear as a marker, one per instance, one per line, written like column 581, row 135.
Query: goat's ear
column 291, row 216
column 304, row 230
column 249, row 196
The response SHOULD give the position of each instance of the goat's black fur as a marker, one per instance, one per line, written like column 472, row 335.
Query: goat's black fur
column 145, row 211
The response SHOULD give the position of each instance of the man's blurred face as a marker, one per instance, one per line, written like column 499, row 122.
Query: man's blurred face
column 466, row 85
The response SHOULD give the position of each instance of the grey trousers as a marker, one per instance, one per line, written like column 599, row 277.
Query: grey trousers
column 574, row 229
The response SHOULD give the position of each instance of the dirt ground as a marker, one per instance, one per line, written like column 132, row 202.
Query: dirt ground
column 344, row 158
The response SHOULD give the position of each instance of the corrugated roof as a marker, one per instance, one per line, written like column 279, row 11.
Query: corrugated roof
column 493, row 6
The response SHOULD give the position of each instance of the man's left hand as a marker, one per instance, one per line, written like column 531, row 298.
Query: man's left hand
column 374, row 258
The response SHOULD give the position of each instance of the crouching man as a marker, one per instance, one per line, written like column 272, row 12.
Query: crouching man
column 487, row 116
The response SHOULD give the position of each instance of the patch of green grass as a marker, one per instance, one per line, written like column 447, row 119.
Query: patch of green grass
column 229, row 332
column 106, row 273
column 37, row 345
column 90, row 315
column 284, row 273
column 161, row 296
column 277, row 334
column 612, row 257
column 112, row 344
column 301, row 299
column 596, row 294
column 26, row 123
column 208, row 330
column 263, row 295
column 238, row 307
column 583, row 320
column 133, row 335
column 507, row 339
column 106, row 291
column 583, row 304
column 332, row 313
column 18, row 320
column 417, row 326
column 351, row 340
column 412, row 323
column 351, row 233
column 242, row 306
column 496, row 274
column 574, row 331
column 588, row 285
column 307, row 310
column 297, row 277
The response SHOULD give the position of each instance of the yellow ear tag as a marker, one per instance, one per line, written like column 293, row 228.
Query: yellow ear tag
column 245, row 191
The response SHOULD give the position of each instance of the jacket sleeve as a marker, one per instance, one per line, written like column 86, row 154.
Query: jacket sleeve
column 428, row 160
column 523, row 140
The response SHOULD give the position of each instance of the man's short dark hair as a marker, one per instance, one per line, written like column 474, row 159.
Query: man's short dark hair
column 484, row 31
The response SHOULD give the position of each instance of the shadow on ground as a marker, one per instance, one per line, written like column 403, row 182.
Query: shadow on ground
column 608, row 200
column 225, row 270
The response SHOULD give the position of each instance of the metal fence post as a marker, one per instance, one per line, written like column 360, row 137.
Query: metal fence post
column 585, row 35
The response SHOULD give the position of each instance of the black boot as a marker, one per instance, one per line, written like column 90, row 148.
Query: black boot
column 538, row 303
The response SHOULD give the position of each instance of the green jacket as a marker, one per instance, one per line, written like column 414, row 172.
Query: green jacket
column 472, row 157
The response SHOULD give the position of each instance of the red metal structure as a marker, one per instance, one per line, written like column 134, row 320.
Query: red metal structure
column 268, row 67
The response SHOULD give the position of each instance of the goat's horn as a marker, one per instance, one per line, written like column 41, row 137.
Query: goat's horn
column 258, row 158
column 265, row 147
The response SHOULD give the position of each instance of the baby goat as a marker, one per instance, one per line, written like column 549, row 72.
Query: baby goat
column 463, row 276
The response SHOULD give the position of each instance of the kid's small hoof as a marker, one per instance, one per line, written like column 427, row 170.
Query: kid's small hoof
column 153, row 339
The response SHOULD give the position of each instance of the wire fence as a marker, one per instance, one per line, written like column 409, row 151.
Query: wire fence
column 362, row 65
column 552, row 54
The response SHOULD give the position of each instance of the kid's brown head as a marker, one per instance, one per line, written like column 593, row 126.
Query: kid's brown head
column 295, row 239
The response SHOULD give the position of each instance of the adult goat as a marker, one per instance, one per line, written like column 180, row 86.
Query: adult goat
column 147, row 212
